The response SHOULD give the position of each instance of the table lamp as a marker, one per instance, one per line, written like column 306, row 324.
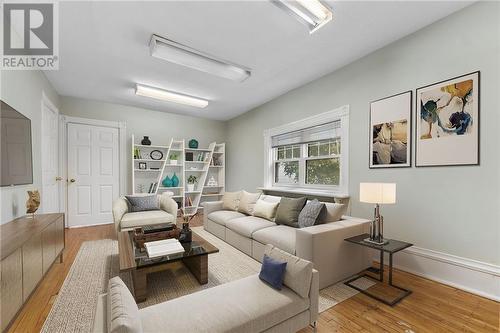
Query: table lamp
column 377, row 193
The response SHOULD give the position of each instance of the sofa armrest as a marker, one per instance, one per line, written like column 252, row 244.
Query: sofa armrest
column 120, row 208
column 100, row 317
column 168, row 204
column 209, row 207
column 334, row 258
column 314, row 297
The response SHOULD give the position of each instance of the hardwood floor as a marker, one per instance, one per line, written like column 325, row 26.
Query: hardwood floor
column 432, row 307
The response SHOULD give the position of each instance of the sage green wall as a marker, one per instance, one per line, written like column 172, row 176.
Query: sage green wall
column 159, row 126
column 449, row 209
column 22, row 89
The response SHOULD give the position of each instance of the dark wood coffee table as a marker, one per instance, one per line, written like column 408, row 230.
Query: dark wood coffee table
column 195, row 258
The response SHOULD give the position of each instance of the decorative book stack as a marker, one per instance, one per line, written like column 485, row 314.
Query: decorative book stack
column 163, row 247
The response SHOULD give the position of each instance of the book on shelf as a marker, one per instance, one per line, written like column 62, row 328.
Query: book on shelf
column 163, row 247
column 188, row 201
column 152, row 187
column 137, row 153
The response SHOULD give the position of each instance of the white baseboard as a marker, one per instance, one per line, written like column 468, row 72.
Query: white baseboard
column 473, row 276
column 88, row 225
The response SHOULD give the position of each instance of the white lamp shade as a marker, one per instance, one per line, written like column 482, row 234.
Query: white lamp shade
column 377, row 193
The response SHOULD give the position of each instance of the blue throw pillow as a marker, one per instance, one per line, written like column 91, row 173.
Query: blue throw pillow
column 273, row 272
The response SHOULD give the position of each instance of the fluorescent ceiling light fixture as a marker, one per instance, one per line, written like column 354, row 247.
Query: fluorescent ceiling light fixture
column 313, row 13
column 170, row 96
column 179, row 54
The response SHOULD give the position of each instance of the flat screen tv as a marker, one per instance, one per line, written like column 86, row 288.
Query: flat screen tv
column 15, row 147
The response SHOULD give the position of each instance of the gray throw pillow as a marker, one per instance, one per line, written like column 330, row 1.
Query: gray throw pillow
column 140, row 203
column 289, row 210
column 309, row 214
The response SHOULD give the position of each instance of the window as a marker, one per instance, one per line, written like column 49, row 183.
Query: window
column 323, row 162
column 310, row 154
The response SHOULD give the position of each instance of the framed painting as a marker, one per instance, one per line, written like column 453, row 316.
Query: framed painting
column 390, row 132
column 447, row 117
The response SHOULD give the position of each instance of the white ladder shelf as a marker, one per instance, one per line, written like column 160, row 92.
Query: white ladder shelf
column 190, row 201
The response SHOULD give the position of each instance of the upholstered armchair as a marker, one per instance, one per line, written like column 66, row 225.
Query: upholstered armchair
column 126, row 220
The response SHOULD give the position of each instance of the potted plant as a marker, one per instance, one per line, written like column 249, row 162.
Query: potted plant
column 173, row 159
column 192, row 180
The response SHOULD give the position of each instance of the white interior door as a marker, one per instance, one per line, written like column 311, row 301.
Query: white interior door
column 93, row 174
column 50, row 160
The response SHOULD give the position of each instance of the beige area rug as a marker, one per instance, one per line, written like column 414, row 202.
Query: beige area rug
column 97, row 261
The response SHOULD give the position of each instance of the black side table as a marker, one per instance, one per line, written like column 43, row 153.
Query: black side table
column 391, row 247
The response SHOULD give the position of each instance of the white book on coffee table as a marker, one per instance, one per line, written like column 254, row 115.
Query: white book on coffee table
column 163, row 247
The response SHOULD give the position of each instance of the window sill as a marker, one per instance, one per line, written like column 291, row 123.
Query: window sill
column 305, row 191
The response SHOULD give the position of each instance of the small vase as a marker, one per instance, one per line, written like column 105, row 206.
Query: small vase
column 173, row 162
column 186, row 235
column 190, row 187
column 145, row 141
column 193, row 144
column 167, row 182
column 175, row 180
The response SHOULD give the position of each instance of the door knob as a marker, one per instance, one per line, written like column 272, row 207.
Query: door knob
column 58, row 178
column 72, row 180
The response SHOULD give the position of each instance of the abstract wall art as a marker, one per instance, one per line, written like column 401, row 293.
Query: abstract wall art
column 390, row 131
column 447, row 130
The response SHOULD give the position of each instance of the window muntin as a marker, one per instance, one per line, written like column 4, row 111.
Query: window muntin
column 287, row 152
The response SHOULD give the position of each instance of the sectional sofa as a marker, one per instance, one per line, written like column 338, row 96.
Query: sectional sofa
column 322, row 244
column 243, row 306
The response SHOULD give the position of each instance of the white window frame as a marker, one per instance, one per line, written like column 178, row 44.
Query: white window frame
column 340, row 114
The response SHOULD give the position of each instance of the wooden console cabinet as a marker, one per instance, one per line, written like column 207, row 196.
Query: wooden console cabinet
column 29, row 246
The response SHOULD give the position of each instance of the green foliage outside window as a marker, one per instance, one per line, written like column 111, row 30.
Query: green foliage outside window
column 323, row 171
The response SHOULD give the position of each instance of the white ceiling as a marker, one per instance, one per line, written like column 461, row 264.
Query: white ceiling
column 104, row 47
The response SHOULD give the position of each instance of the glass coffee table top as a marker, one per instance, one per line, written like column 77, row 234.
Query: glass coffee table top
column 198, row 246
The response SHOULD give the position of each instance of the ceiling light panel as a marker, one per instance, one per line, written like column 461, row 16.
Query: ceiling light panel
column 170, row 96
column 313, row 13
column 179, row 54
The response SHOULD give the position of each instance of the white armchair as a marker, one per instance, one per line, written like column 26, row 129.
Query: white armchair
column 125, row 220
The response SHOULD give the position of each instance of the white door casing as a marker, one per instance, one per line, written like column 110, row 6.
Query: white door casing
column 50, row 194
column 93, row 174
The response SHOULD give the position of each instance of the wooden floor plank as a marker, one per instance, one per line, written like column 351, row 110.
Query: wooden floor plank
column 432, row 307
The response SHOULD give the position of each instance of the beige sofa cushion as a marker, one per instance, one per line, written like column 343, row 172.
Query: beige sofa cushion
column 231, row 200
column 222, row 216
column 298, row 272
column 281, row 236
column 245, row 306
column 247, row 202
column 265, row 209
column 270, row 198
column 332, row 212
column 122, row 312
column 247, row 225
column 151, row 217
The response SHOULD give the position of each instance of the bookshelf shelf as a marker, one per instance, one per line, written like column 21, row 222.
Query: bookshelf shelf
column 198, row 149
column 151, row 146
column 147, row 160
column 150, row 181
